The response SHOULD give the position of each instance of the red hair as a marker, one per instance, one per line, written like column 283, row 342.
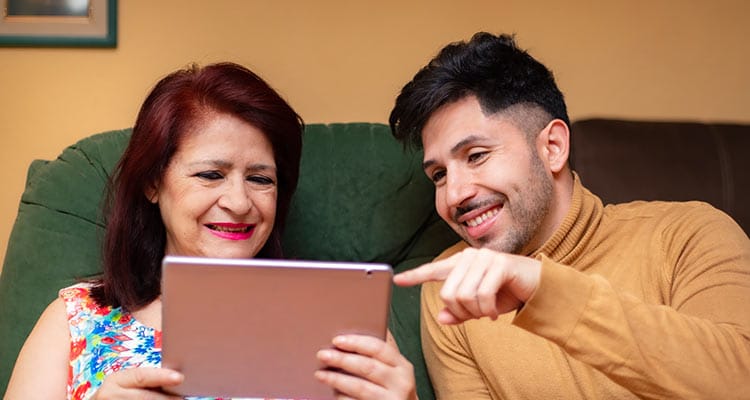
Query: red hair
column 135, row 236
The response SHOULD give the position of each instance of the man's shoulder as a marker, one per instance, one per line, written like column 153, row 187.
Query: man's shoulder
column 680, row 215
column 642, row 208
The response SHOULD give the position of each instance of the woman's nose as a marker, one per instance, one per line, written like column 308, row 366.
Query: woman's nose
column 236, row 198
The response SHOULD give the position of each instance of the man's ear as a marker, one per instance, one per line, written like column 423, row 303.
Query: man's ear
column 555, row 144
column 152, row 193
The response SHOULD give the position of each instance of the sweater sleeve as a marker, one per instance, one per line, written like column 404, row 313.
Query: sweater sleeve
column 452, row 369
column 696, row 345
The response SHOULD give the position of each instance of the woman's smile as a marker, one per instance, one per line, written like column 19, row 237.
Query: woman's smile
column 231, row 231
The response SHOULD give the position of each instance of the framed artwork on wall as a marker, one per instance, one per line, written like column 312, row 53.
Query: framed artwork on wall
column 60, row 23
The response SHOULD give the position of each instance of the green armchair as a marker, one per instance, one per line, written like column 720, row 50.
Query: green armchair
column 361, row 197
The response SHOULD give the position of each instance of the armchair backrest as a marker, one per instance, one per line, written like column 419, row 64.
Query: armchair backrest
column 361, row 197
column 624, row 160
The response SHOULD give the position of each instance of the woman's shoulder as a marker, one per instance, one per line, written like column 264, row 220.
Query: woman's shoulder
column 79, row 303
column 80, row 293
column 78, row 290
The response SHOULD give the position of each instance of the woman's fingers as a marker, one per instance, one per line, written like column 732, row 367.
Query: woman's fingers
column 149, row 377
column 365, row 367
column 350, row 386
column 139, row 383
column 364, row 356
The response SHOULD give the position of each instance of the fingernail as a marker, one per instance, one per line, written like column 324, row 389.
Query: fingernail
column 339, row 340
column 325, row 355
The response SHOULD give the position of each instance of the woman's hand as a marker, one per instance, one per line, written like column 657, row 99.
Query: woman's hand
column 139, row 383
column 370, row 369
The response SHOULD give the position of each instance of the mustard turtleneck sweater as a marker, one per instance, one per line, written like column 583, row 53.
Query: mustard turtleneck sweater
column 636, row 300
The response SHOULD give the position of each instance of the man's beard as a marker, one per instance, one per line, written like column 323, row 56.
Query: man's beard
column 527, row 213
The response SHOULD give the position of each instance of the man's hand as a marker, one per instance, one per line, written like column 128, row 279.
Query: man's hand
column 478, row 283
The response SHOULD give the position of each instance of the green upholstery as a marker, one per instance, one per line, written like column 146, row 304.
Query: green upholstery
column 361, row 197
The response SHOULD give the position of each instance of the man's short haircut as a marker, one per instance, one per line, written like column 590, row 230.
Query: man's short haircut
column 491, row 68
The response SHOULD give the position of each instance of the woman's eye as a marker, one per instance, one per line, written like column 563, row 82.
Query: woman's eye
column 260, row 179
column 210, row 175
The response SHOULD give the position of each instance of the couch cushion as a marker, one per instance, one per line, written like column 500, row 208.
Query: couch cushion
column 360, row 196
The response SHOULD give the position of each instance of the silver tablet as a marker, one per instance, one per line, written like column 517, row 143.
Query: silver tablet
column 251, row 328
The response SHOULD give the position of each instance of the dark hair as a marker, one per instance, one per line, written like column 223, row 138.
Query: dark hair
column 135, row 237
column 490, row 67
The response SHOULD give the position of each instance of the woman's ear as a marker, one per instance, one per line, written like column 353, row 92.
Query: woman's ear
column 152, row 193
column 556, row 144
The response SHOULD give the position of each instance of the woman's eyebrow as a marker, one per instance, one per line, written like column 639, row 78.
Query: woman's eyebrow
column 212, row 162
column 261, row 167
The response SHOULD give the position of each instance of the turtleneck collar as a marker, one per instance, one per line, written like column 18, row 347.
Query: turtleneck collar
column 574, row 233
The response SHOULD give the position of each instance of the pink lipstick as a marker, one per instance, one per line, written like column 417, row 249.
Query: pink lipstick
column 231, row 231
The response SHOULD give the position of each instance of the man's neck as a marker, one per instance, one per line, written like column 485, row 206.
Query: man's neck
column 562, row 196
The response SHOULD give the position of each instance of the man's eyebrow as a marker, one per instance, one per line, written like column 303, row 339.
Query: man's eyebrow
column 468, row 140
column 455, row 149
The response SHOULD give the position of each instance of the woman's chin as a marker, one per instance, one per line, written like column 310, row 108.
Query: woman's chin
column 231, row 252
column 217, row 249
column 234, row 254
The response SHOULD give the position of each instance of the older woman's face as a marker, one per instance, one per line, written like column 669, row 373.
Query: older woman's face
column 218, row 195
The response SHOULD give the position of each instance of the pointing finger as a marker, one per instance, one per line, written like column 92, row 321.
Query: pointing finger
column 434, row 271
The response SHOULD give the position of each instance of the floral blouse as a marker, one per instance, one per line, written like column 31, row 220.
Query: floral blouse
column 104, row 340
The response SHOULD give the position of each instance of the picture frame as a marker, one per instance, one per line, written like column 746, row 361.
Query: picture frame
column 76, row 23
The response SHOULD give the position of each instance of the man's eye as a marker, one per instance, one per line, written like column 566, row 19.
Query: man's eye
column 437, row 176
column 477, row 156
column 260, row 179
column 210, row 175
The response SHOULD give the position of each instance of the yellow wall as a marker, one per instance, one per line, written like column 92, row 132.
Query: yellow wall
column 345, row 60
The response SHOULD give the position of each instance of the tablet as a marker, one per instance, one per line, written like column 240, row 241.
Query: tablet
column 252, row 327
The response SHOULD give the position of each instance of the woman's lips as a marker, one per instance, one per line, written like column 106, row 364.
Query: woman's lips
column 231, row 231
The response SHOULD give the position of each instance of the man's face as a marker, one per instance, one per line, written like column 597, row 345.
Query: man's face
column 490, row 184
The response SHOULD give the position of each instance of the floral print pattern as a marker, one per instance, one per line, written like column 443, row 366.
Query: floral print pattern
column 104, row 340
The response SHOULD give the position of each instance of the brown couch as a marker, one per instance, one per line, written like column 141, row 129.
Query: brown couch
column 623, row 160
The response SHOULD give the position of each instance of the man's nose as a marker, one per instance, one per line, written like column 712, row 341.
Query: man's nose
column 459, row 187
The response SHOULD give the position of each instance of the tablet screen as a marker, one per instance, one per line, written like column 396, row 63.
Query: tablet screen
column 252, row 328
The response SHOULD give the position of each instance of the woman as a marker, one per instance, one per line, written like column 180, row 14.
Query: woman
column 210, row 170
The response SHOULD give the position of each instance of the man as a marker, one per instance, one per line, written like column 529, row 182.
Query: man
column 551, row 294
